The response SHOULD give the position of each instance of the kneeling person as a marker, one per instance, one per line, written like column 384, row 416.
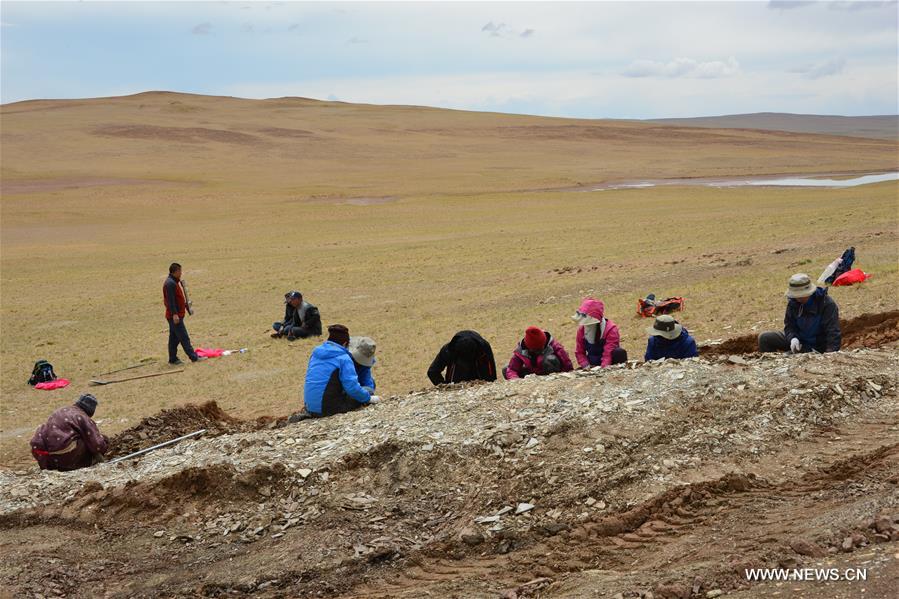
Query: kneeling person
column 467, row 357
column 362, row 349
column 538, row 353
column 811, row 321
column 332, row 385
column 669, row 339
column 301, row 319
column 70, row 439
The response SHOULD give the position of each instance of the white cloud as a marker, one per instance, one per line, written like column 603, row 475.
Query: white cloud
column 821, row 69
column 683, row 67
column 202, row 29
column 503, row 30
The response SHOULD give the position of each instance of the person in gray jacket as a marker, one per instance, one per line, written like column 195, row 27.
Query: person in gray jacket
column 301, row 319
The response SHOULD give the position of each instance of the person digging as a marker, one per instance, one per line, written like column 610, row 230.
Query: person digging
column 70, row 439
column 811, row 321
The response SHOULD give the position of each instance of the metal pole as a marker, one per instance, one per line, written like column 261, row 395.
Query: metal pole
column 155, row 447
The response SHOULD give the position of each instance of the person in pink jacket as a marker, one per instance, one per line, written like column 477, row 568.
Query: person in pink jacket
column 598, row 340
column 538, row 353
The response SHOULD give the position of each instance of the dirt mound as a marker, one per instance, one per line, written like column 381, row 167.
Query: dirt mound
column 867, row 330
column 169, row 424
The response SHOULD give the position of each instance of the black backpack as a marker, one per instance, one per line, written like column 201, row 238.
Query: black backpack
column 42, row 373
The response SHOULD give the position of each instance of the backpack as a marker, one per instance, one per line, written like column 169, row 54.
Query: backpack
column 42, row 373
column 650, row 307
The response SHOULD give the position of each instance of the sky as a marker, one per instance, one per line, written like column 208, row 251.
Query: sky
column 586, row 60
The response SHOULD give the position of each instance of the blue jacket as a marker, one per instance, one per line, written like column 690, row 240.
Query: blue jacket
column 364, row 375
column 815, row 323
column 683, row 346
column 330, row 375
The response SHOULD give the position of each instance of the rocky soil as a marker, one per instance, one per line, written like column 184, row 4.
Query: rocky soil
column 665, row 479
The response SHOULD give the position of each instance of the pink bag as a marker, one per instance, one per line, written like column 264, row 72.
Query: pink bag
column 51, row 385
column 209, row 353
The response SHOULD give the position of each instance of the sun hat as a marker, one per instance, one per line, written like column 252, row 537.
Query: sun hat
column 363, row 350
column 665, row 326
column 800, row 286
column 534, row 339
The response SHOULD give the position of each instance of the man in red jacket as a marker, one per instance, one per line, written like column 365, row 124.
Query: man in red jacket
column 70, row 439
column 175, row 308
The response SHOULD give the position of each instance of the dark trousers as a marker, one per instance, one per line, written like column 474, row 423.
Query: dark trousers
column 295, row 332
column 773, row 341
column 178, row 334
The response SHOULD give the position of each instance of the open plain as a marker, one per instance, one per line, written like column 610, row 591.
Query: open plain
column 407, row 224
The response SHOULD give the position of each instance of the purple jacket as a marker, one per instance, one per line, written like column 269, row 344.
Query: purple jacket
column 525, row 362
column 69, row 440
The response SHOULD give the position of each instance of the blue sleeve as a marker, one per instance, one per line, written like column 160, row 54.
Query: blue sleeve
column 365, row 377
column 692, row 352
column 350, row 380
column 650, row 350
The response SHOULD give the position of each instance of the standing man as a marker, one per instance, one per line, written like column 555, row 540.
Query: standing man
column 175, row 308
column 70, row 438
column 811, row 321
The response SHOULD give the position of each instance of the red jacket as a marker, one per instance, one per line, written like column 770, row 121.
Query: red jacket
column 173, row 298
column 525, row 362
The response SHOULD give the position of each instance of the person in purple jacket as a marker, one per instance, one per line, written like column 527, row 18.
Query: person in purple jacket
column 538, row 353
column 70, row 438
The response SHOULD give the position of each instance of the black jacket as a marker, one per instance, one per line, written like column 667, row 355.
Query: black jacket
column 306, row 317
column 467, row 357
column 815, row 323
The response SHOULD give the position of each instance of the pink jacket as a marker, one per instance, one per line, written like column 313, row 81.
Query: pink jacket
column 598, row 353
column 524, row 362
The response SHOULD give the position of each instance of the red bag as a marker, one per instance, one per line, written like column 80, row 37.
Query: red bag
column 51, row 385
column 209, row 353
column 851, row 277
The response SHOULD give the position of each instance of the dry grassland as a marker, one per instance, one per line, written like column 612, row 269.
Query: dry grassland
column 406, row 224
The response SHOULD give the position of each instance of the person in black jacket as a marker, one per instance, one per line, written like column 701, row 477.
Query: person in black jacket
column 301, row 319
column 467, row 357
column 811, row 321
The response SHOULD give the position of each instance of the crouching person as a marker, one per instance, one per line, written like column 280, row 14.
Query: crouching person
column 70, row 439
column 332, row 384
column 538, row 353
column 301, row 319
column 598, row 342
column 669, row 339
column 811, row 322
column 467, row 357
column 362, row 349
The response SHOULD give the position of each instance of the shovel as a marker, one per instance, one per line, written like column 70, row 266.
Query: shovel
column 134, row 378
column 144, row 362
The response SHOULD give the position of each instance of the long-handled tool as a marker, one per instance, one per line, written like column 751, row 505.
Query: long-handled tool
column 155, row 447
column 144, row 362
column 134, row 378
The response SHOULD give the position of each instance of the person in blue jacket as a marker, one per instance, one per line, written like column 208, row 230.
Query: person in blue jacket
column 811, row 321
column 363, row 351
column 669, row 339
column 332, row 385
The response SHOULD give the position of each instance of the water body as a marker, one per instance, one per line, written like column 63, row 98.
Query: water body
column 756, row 182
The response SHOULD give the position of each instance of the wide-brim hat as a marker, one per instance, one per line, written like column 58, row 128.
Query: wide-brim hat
column 665, row 326
column 584, row 319
column 800, row 285
column 363, row 350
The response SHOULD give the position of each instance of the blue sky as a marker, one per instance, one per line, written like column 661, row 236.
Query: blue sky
column 603, row 59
